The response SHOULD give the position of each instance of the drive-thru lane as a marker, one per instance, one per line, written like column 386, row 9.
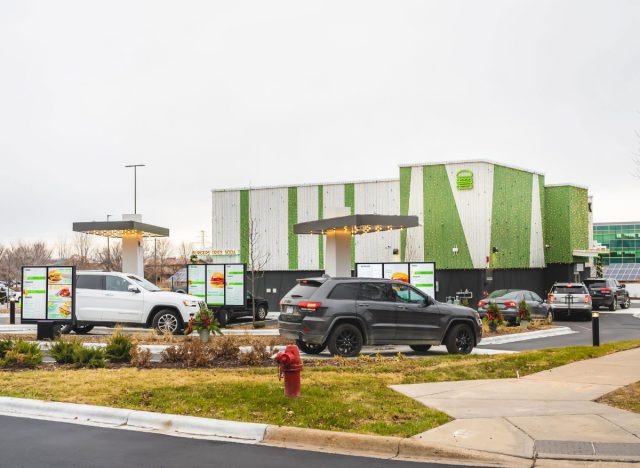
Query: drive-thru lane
column 30, row 443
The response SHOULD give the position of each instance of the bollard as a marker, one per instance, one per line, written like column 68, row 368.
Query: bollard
column 595, row 327
column 12, row 311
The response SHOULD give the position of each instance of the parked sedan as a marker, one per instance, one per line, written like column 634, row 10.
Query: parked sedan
column 508, row 299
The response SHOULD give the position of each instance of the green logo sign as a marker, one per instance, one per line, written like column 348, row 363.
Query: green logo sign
column 464, row 180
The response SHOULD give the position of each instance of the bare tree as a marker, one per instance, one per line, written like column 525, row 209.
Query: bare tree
column 16, row 256
column 63, row 249
column 258, row 260
column 110, row 257
column 184, row 251
column 82, row 249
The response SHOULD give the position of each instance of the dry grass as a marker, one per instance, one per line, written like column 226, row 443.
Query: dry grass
column 534, row 325
column 626, row 398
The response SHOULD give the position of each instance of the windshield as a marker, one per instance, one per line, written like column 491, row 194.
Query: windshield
column 596, row 284
column 148, row 285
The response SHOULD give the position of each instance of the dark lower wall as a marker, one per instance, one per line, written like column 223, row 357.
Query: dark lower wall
column 449, row 281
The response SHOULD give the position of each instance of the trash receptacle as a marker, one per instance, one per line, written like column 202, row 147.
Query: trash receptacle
column 46, row 329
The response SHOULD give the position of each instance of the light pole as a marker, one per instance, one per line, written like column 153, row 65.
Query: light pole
column 135, row 182
column 108, row 248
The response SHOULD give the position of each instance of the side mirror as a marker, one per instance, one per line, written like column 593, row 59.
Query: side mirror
column 133, row 289
column 623, row 286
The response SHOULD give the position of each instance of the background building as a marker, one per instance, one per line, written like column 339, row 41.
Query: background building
column 622, row 240
column 486, row 225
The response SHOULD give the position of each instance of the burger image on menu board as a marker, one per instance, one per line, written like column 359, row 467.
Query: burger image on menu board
column 65, row 309
column 64, row 292
column 55, row 276
column 399, row 276
column 217, row 280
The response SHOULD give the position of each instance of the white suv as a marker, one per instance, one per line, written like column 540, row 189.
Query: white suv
column 110, row 298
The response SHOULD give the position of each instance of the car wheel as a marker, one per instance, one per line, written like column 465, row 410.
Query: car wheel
column 460, row 339
column 626, row 303
column 82, row 329
column 346, row 341
column 614, row 304
column 261, row 313
column 222, row 317
column 420, row 348
column 167, row 321
column 550, row 317
column 66, row 329
column 310, row 348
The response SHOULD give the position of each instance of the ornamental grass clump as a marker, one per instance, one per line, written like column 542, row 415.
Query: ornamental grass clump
column 63, row 351
column 22, row 355
column 91, row 358
column 119, row 348
column 5, row 345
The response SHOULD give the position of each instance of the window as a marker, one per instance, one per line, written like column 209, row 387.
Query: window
column 345, row 291
column 90, row 282
column 303, row 291
column 536, row 297
column 379, row 292
column 148, row 285
column 115, row 283
column 408, row 295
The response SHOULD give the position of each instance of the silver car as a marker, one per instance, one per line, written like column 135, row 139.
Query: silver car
column 570, row 300
column 508, row 301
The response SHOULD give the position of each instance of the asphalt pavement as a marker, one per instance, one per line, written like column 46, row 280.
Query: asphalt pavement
column 614, row 326
column 29, row 443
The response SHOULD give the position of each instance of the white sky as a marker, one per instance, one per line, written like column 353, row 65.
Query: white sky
column 217, row 94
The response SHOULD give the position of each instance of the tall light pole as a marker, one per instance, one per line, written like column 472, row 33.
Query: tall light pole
column 135, row 182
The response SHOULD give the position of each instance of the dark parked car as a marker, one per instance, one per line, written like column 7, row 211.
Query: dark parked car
column 229, row 313
column 508, row 300
column 607, row 292
column 345, row 314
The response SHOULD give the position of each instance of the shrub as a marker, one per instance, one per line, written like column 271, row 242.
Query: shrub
column 524, row 311
column 189, row 353
column 226, row 348
column 89, row 357
column 494, row 315
column 5, row 345
column 140, row 357
column 22, row 354
column 63, row 351
column 119, row 348
column 258, row 355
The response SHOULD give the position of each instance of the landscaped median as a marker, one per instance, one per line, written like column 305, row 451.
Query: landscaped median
column 348, row 395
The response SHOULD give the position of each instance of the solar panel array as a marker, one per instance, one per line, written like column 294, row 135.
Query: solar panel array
column 623, row 271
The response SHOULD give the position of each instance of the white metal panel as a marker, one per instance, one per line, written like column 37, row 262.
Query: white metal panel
column 536, row 257
column 308, row 252
column 268, row 208
column 225, row 220
column 333, row 196
column 475, row 208
column 415, row 236
column 377, row 198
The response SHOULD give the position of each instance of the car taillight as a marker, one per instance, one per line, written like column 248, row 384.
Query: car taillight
column 509, row 304
column 605, row 290
column 482, row 303
column 309, row 305
column 552, row 298
column 587, row 299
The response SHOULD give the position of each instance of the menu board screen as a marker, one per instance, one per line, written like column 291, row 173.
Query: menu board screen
column 196, row 275
column 215, row 284
column 34, row 293
column 369, row 270
column 48, row 293
column 397, row 271
column 422, row 276
column 234, row 284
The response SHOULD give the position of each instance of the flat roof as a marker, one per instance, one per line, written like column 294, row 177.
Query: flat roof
column 357, row 224
column 311, row 184
column 471, row 161
column 120, row 229
column 619, row 223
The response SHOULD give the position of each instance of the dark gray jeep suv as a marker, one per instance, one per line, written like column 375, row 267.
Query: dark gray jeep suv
column 348, row 313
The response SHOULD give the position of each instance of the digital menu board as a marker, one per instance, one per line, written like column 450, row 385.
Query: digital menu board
column 48, row 293
column 421, row 275
column 218, row 284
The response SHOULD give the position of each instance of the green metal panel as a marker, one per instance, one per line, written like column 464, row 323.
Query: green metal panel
column 350, row 202
column 511, row 218
column 244, row 226
column 557, row 232
column 293, row 219
column 405, row 191
column 321, row 216
column 579, row 218
column 442, row 226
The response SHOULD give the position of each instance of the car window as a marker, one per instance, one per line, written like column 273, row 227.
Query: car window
column 378, row 292
column 498, row 293
column 574, row 289
column 512, row 295
column 115, row 283
column 303, row 291
column 345, row 291
column 406, row 294
column 595, row 284
column 535, row 297
column 148, row 285
column 90, row 282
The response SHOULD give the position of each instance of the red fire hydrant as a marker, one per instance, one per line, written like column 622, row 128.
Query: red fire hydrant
column 290, row 367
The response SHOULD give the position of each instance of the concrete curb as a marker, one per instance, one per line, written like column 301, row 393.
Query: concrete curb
column 124, row 418
column 513, row 338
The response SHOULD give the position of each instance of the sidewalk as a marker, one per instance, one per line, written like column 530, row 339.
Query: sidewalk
column 550, row 414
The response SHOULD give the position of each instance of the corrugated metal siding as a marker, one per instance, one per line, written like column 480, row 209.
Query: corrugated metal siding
column 475, row 208
column 377, row 198
column 308, row 252
column 225, row 216
column 536, row 257
column 269, row 210
column 415, row 236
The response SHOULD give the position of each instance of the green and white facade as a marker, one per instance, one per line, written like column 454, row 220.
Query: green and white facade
column 473, row 215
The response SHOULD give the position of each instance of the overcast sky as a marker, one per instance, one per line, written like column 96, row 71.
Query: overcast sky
column 221, row 94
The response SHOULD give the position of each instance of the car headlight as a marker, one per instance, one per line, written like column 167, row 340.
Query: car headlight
column 190, row 303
